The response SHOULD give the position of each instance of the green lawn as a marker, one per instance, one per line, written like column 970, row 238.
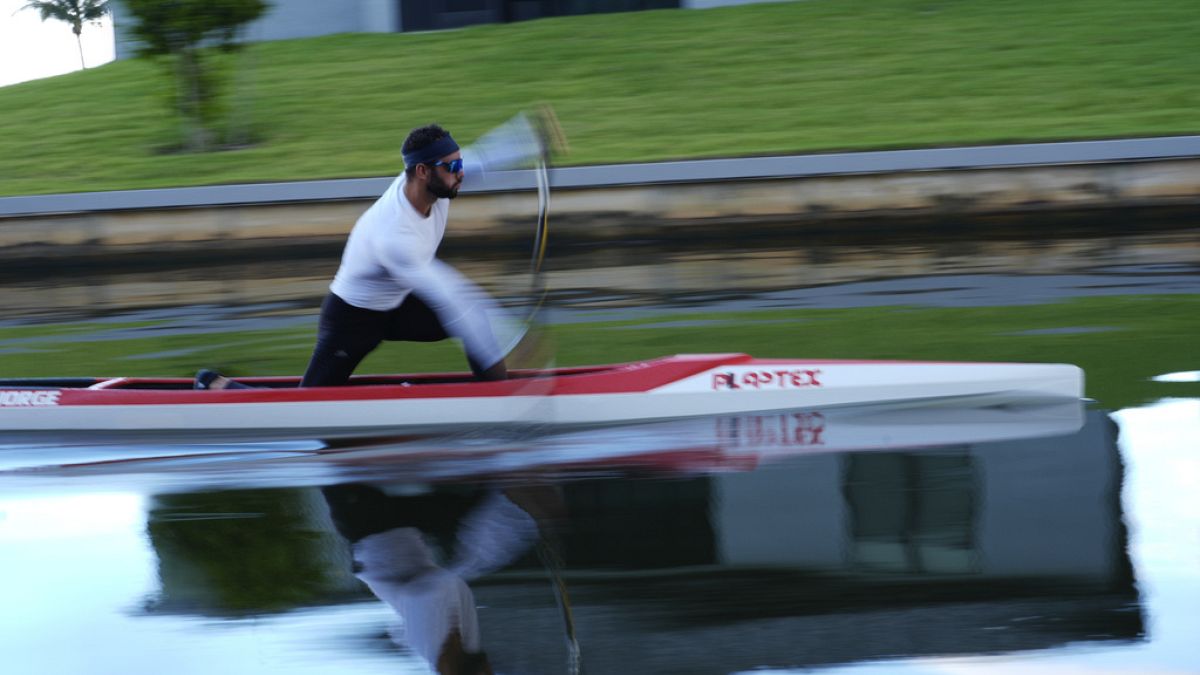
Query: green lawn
column 1121, row 342
column 761, row 79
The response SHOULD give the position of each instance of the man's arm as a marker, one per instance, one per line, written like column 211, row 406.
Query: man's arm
column 461, row 307
column 519, row 142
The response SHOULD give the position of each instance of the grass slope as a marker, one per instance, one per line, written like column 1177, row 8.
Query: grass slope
column 761, row 79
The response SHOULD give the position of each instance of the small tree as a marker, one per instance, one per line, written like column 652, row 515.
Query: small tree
column 186, row 33
column 74, row 12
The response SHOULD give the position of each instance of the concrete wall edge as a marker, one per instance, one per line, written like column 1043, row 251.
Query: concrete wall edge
column 636, row 174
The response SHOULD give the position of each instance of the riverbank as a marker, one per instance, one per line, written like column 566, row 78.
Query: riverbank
column 950, row 189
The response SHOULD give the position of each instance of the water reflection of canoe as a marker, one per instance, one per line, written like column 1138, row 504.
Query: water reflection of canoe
column 666, row 388
column 696, row 445
column 688, row 446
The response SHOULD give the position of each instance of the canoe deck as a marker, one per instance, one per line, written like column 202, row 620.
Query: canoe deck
column 268, row 382
column 666, row 388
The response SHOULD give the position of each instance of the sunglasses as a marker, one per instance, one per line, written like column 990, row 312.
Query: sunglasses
column 453, row 166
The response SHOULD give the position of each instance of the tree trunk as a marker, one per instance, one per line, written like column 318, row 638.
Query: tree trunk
column 79, row 42
column 240, row 122
column 196, row 134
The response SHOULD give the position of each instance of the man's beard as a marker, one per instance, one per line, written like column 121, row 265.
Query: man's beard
column 438, row 188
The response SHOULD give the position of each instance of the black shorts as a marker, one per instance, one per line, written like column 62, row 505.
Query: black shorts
column 346, row 334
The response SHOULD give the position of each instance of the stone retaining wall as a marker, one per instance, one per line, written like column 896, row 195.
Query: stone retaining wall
column 638, row 210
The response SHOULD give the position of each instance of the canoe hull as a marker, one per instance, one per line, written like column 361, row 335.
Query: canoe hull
column 668, row 388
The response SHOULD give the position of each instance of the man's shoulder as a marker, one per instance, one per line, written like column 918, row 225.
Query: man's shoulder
column 387, row 204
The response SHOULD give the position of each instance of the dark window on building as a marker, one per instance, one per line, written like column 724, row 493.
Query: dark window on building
column 417, row 15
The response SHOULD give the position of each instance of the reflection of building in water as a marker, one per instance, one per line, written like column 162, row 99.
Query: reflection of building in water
column 818, row 559
column 843, row 557
column 911, row 513
column 1046, row 507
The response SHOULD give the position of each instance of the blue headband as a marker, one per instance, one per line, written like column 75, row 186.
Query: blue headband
column 432, row 152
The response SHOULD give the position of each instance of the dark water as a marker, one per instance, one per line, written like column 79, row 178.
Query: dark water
column 1043, row 539
column 633, row 279
column 1051, row 538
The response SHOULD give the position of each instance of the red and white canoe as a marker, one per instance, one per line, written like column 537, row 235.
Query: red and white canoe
column 665, row 388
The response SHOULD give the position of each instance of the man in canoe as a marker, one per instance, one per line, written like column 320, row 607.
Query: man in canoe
column 390, row 284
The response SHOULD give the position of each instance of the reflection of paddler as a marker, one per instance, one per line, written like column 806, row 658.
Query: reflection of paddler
column 396, row 541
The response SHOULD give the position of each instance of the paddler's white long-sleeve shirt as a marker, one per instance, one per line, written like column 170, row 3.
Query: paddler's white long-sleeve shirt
column 391, row 252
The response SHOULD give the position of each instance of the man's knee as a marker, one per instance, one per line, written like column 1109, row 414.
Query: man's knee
column 333, row 363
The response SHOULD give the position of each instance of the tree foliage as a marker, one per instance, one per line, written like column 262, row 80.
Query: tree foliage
column 168, row 27
column 74, row 12
column 188, row 35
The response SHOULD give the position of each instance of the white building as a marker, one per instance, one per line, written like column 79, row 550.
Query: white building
column 287, row 19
